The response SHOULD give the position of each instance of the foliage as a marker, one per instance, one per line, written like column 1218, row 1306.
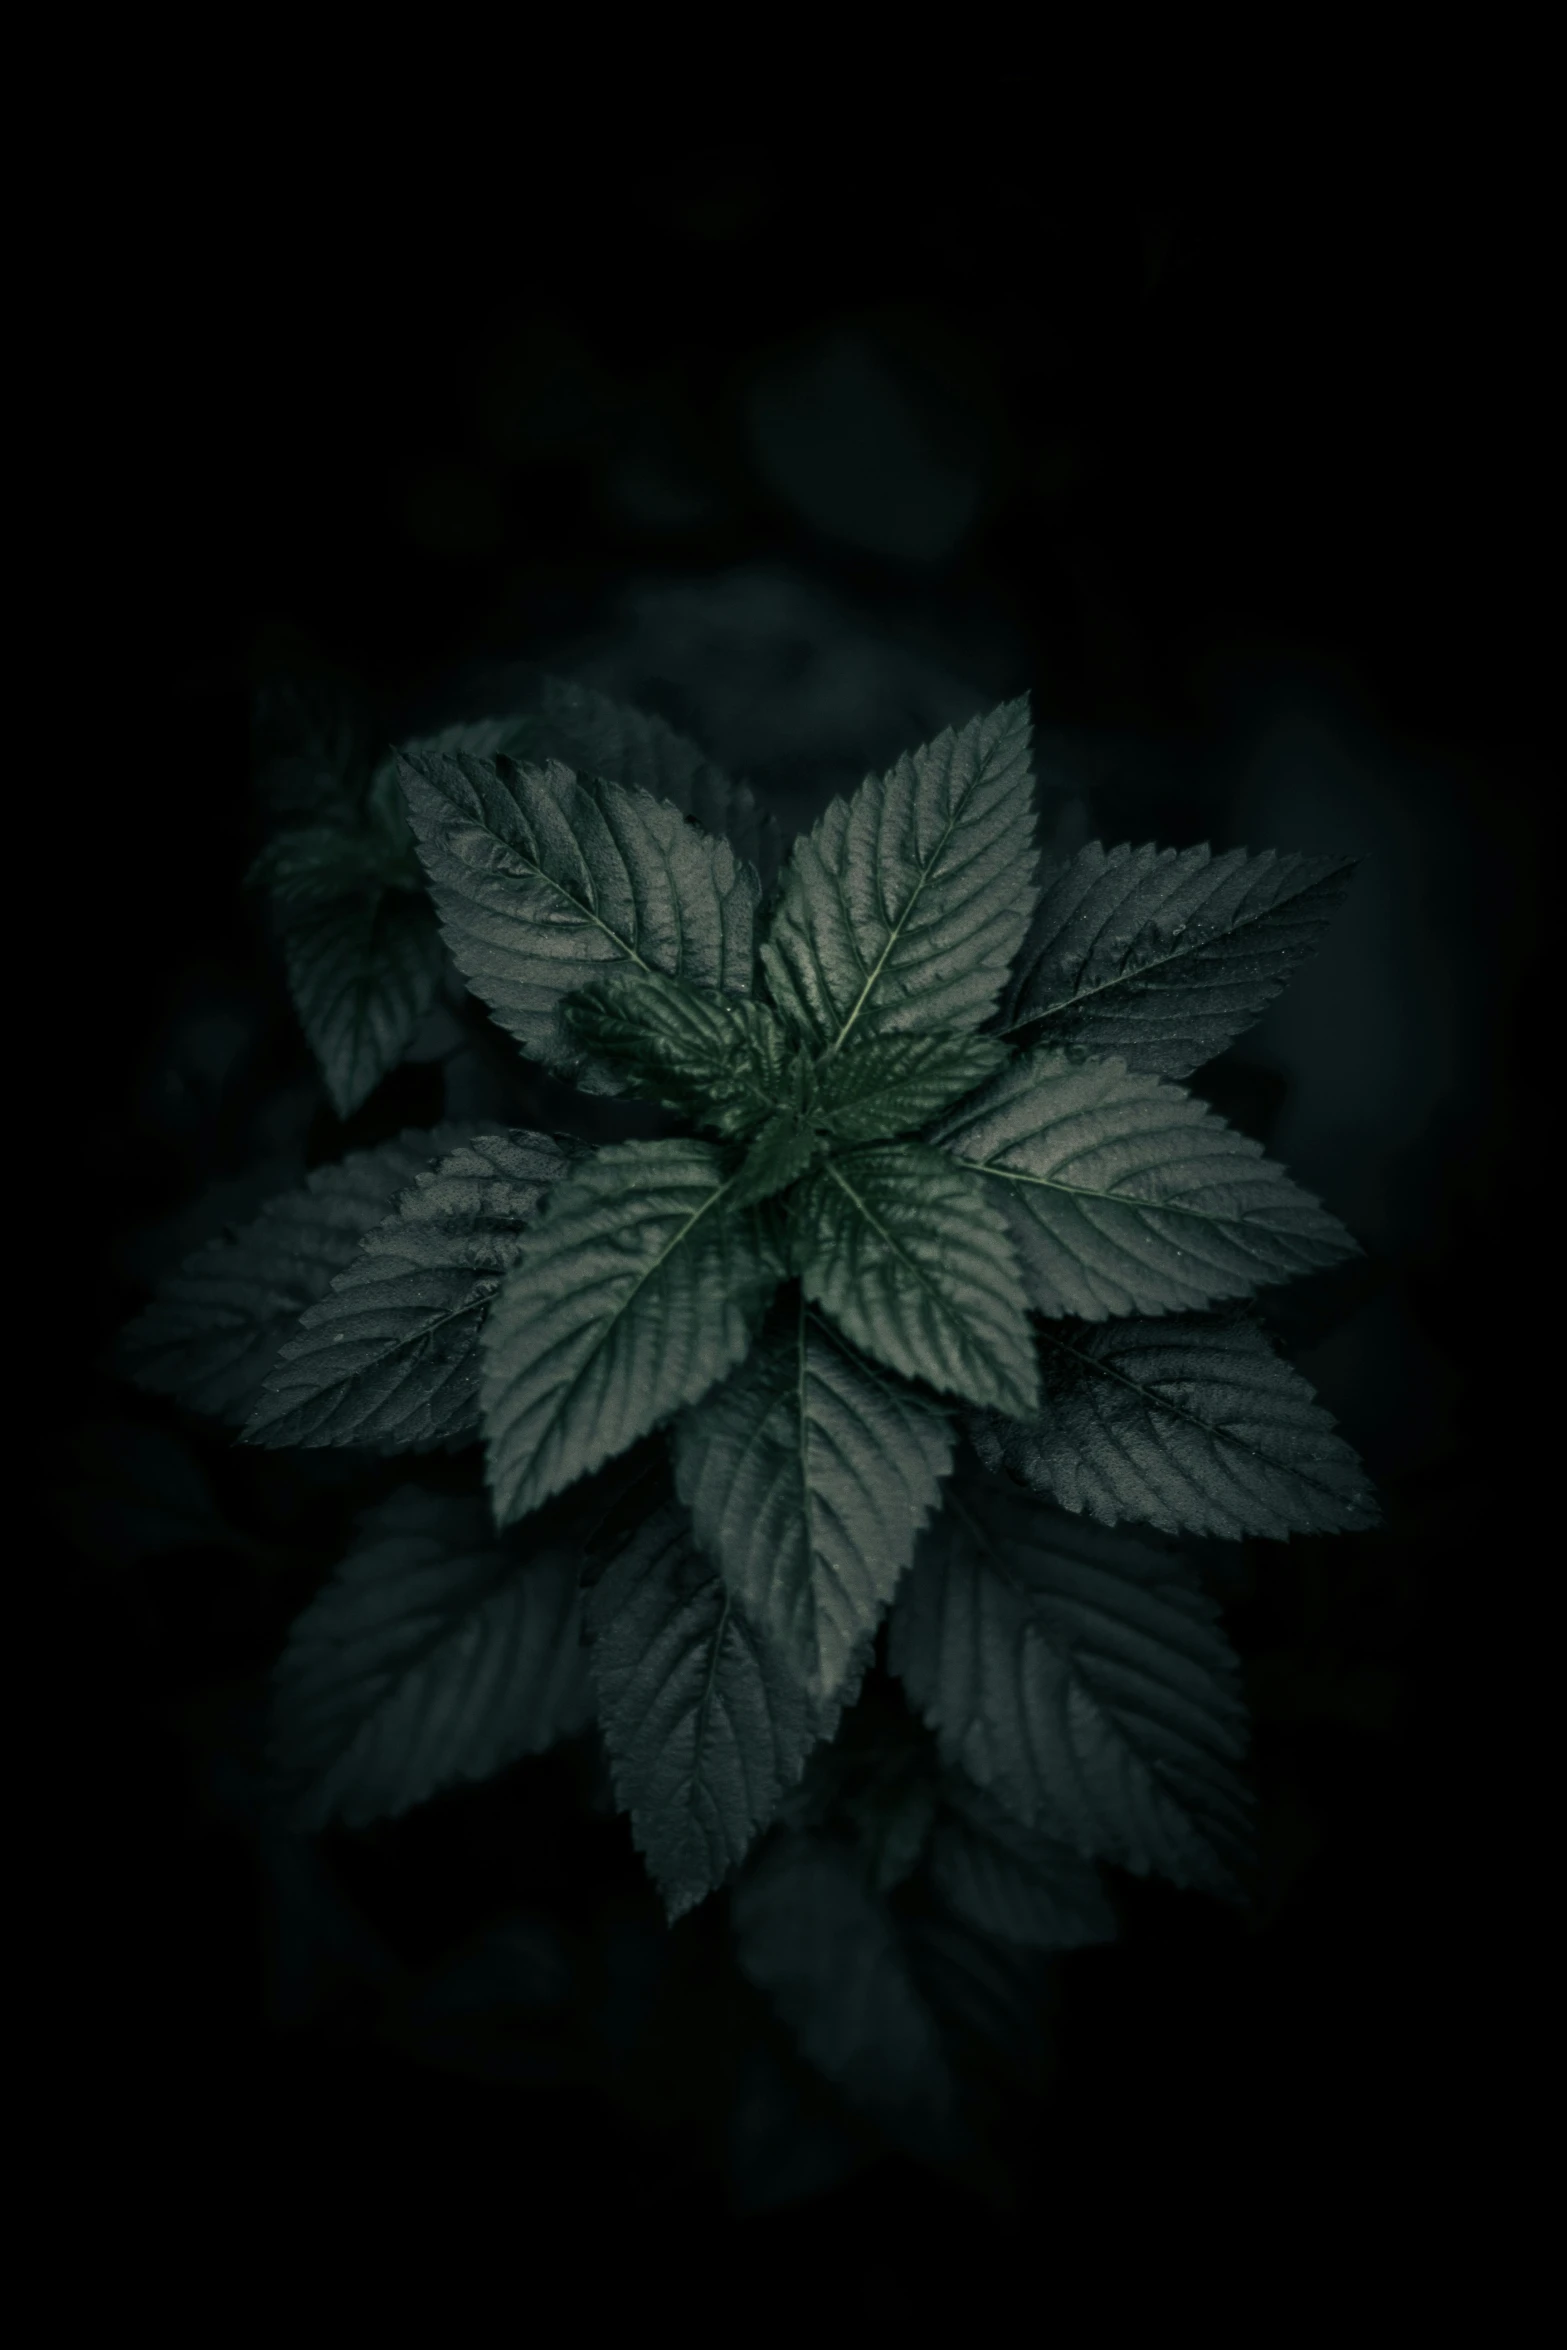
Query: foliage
column 903, row 1363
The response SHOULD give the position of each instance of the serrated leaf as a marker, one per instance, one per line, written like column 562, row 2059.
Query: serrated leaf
column 633, row 1294
column 390, row 1356
column 1126, row 1195
column 1084, row 1678
column 435, row 1654
column 212, row 1330
column 904, row 905
column 704, row 1726
column 1009, row 1881
column 820, row 1943
column 778, row 1155
column 560, row 718
column 1195, row 1426
column 917, row 1270
column 363, row 970
column 888, row 1085
column 1163, row 958
column 723, row 1060
column 808, row 1476
column 542, row 878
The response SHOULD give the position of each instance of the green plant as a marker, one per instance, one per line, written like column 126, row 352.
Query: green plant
column 924, row 1323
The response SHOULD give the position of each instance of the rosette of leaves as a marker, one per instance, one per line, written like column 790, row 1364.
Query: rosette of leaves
column 935, row 1296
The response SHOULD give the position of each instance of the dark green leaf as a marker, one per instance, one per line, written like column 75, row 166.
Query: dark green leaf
column 1126, row 1195
column 390, row 1356
column 1084, row 1678
column 779, row 1154
column 1164, row 958
column 812, row 1935
column 903, row 907
column 1190, row 1425
column 213, row 1329
column 435, row 1654
column 808, row 1476
column 1008, row 1880
column 542, row 878
column 917, row 1270
column 636, row 1291
column 704, row 1725
column 723, row 1060
column 889, row 1085
column 363, row 970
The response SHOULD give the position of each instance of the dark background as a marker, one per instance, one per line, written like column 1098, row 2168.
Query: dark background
column 1251, row 497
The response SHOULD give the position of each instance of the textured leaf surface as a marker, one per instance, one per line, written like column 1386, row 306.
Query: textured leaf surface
column 1164, row 957
column 819, row 1942
column 590, row 732
column 704, row 1726
column 891, row 1084
column 724, row 1060
column 1081, row 1676
column 363, row 969
column 779, row 1154
column 435, row 1654
column 390, row 1356
column 808, row 1476
column 916, row 1269
column 1126, row 1195
column 1191, row 1425
column 633, row 1294
column 541, row 878
column 1008, row 1880
column 904, row 905
column 212, row 1330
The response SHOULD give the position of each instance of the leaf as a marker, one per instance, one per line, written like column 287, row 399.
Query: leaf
column 435, row 1654
column 1009, row 1881
column 917, row 1270
column 723, row 1060
column 1195, row 1426
column 632, row 1296
column 904, row 905
column 1126, row 1195
column 363, row 970
column 541, row 878
column 704, row 1726
column 559, row 718
column 822, row 1945
column 212, row 1330
column 390, row 1356
column 808, row 1476
column 1084, row 1678
column 887, row 1085
column 779, row 1154
column 1163, row 958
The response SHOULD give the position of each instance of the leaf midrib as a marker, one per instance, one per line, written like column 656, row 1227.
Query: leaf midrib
column 897, row 929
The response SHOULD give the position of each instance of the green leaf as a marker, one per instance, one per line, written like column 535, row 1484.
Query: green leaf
column 1163, row 958
column 363, row 970
column 212, row 1330
column 904, row 905
column 779, row 1155
column 636, row 1291
column 542, row 878
column 1084, row 1678
column 559, row 718
column 723, row 1060
column 888, row 1085
column 390, row 1356
column 1009, row 1881
column 704, row 1726
column 823, row 1947
column 1195, row 1426
column 1126, row 1195
column 916, row 1269
column 808, row 1476
column 435, row 1654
